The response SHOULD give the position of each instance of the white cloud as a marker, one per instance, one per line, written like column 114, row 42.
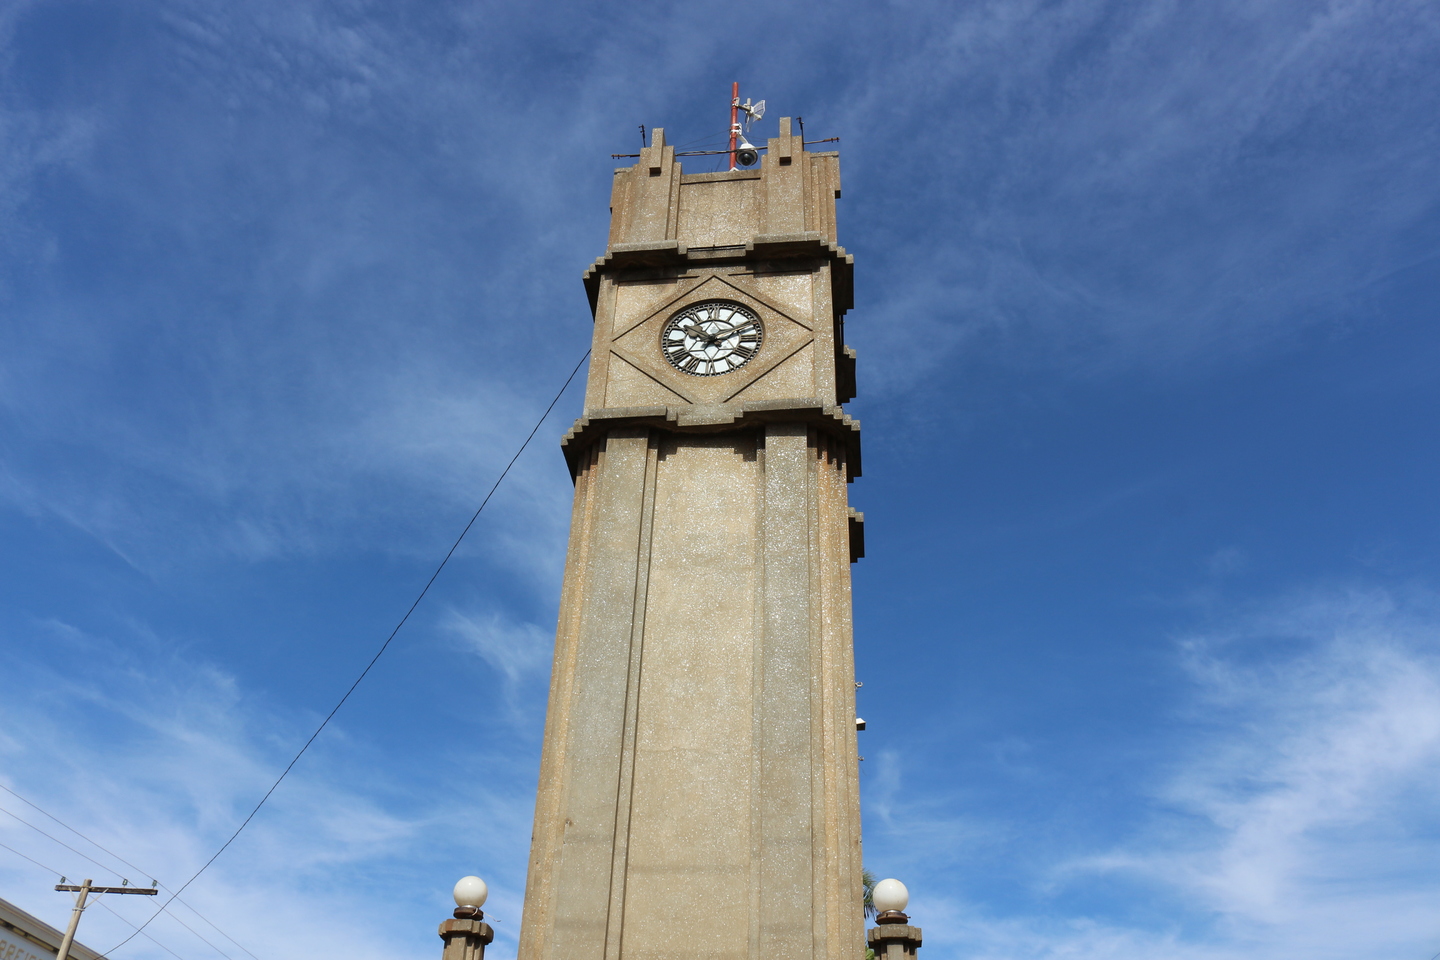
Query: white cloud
column 1318, row 804
column 1296, row 819
column 302, row 347
column 1169, row 188
column 160, row 762
column 353, row 297
column 359, row 353
column 515, row 649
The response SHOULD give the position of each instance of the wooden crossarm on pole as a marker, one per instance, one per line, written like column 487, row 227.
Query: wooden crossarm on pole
column 85, row 889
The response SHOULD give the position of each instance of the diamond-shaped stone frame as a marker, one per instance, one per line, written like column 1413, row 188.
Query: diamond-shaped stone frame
column 639, row 344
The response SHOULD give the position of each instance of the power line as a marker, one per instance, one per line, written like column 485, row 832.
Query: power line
column 373, row 660
column 127, row 863
column 34, row 861
column 50, row 869
column 705, row 140
column 197, row 913
column 97, row 900
column 36, row 806
column 108, row 870
column 207, row 943
column 61, row 842
column 137, row 930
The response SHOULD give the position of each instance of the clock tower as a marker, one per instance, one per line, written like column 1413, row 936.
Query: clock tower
column 699, row 787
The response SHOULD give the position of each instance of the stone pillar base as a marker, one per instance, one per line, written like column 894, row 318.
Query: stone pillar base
column 892, row 941
column 465, row 939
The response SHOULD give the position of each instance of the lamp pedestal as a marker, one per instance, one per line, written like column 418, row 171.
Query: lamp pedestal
column 466, row 936
column 892, row 938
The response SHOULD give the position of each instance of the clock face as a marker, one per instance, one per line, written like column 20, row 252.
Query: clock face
column 710, row 338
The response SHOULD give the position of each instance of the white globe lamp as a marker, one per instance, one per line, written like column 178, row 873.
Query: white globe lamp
column 468, row 934
column 890, row 898
column 470, row 894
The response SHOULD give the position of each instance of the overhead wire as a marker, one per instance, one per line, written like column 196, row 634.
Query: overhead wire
column 373, row 660
column 46, row 867
column 188, row 906
column 171, row 915
column 32, row 804
column 62, row 843
column 33, row 860
column 707, row 139
column 127, row 863
column 97, row 900
column 148, row 936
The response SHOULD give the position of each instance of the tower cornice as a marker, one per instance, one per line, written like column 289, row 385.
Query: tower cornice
column 674, row 255
column 825, row 418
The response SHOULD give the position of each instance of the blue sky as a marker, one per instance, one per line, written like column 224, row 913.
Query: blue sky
column 1149, row 624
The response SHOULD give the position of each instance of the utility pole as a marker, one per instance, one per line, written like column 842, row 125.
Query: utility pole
column 85, row 889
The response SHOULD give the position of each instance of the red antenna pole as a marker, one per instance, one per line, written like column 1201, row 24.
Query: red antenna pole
column 734, row 119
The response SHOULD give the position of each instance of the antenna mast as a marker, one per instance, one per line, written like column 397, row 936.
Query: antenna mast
column 734, row 119
column 741, row 149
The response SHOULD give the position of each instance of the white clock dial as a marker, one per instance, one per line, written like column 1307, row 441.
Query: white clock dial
column 710, row 338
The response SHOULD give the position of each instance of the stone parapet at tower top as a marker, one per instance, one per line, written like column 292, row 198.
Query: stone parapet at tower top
column 699, row 784
column 764, row 237
column 655, row 201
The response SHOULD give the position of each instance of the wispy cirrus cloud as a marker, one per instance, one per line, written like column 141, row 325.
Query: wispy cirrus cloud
column 515, row 649
column 1322, row 807
column 159, row 760
column 1149, row 188
column 313, row 364
column 1104, row 191
column 1295, row 818
column 291, row 280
